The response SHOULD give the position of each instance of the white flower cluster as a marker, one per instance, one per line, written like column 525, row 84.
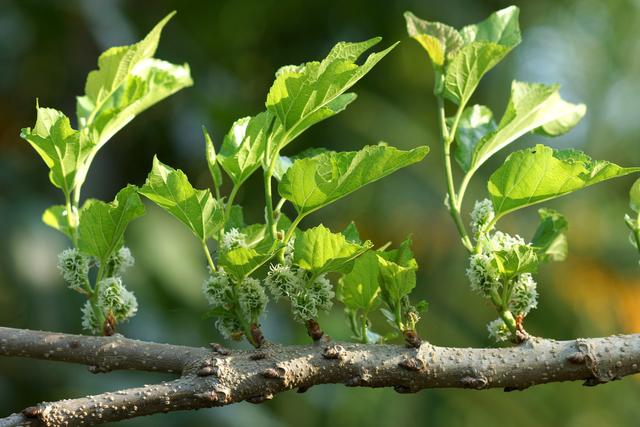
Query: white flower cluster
column 219, row 292
column 481, row 215
column 90, row 319
column 74, row 267
column 233, row 239
column 121, row 261
column 217, row 288
column 524, row 295
column 483, row 274
column 251, row 298
column 498, row 330
column 307, row 298
column 114, row 298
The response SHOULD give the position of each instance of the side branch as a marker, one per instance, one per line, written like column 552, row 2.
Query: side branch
column 101, row 354
column 216, row 377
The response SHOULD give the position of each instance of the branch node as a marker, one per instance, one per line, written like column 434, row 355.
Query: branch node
column 333, row 352
column 277, row 373
column 259, row 399
column 32, row 411
column 98, row 369
column 477, row 383
column 314, row 331
column 412, row 339
column 258, row 355
column 402, row 389
column 207, row 369
column 412, row 364
column 218, row 348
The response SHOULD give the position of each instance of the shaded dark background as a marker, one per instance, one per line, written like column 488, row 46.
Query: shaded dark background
column 591, row 47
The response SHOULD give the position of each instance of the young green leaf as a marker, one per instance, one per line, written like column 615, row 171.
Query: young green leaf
column 359, row 289
column 549, row 239
column 541, row 173
column 59, row 146
column 243, row 147
column 516, row 260
column 439, row 40
column 56, row 217
column 197, row 209
column 240, row 262
column 475, row 122
column 486, row 44
column 320, row 251
column 532, row 106
column 397, row 281
column 634, row 197
column 304, row 95
column 318, row 181
column 212, row 162
column 127, row 82
column 352, row 234
column 102, row 225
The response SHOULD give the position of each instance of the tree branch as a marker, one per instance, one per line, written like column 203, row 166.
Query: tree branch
column 219, row 377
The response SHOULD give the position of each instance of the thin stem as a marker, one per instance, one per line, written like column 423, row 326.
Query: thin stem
column 365, row 337
column 446, row 138
column 205, row 248
column 229, row 204
column 463, row 188
column 292, row 228
column 271, row 224
column 72, row 220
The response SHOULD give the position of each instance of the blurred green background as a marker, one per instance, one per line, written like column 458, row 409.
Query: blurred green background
column 591, row 47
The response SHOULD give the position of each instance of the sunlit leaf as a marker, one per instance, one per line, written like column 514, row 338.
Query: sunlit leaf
column 486, row 44
column 549, row 240
column 439, row 40
column 532, row 106
column 359, row 289
column 304, row 95
column 319, row 251
column 212, row 161
column 56, row 218
column 197, row 209
column 59, row 146
column 243, row 147
column 537, row 174
column 317, row 181
column 102, row 225
column 475, row 123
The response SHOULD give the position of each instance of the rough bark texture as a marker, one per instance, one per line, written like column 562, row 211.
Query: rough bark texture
column 216, row 376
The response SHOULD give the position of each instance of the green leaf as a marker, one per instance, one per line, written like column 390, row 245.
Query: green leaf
column 319, row 251
column 102, row 225
column 241, row 262
column 214, row 167
column 486, row 44
column 197, row 209
column 516, row 260
column 318, row 181
column 537, row 174
column 549, row 240
column 56, row 217
column 532, row 107
column 59, row 146
column 351, row 233
column 403, row 255
column 359, row 289
column 634, row 196
column 500, row 27
column 128, row 81
column 243, row 147
column 439, row 40
column 475, row 122
column 304, row 95
column 397, row 281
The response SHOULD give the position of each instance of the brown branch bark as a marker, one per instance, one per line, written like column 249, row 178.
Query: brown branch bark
column 216, row 377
